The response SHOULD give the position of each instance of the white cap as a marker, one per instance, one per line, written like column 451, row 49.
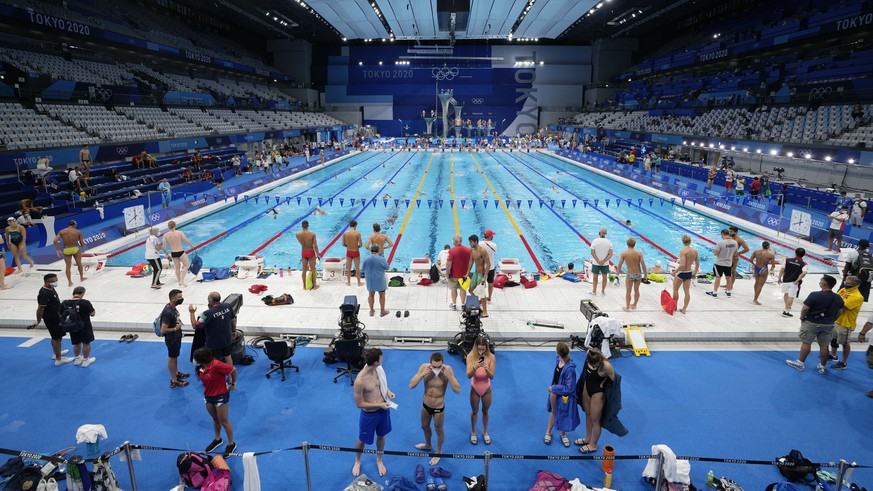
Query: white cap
column 658, row 262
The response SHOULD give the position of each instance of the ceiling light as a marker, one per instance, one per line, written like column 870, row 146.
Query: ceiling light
column 542, row 63
column 360, row 63
column 807, row 156
column 758, row 151
column 380, row 62
column 344, row 39
column 851, row 161
column 684, row 142
column 711, row 145
column 773, row 152
column 268, row 14
column 828, row 158
column 790, row 154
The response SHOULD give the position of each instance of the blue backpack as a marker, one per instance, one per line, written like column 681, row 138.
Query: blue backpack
column 196, row 264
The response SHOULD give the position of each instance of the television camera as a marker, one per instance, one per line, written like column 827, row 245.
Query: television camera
column 350, row 328
column 471, row 321
column 780, row 172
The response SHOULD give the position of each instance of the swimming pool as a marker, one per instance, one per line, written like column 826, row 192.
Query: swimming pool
column 543, row 210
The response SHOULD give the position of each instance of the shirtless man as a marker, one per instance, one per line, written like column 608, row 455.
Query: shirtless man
column 373, row 399
column 352, row 243
column 309, row 252
column 636, row 271
column 685, row 272
column 480, row 259
column 437, row 377
column 85, row 160
column 74, row 246
column 742, row 249
column 379, row 239
column 761, row 261
column 174, row 239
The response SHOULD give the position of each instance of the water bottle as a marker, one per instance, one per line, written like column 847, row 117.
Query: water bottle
column 710, row 479
column 281, row 272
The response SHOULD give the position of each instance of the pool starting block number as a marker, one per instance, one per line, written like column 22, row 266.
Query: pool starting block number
column 637, row 340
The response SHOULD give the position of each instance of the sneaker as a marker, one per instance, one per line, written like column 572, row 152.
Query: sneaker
column 62, row 360
column 796, row 364
column 727, row 293
column 870, row 394
column 87, row 362
column 215, row 443
column 712, row 294
column 453, row 306
column 229, row 449
column 78, row 360
column 787, row 314
column 833, row 357
column 821, row 369
column 63, row 352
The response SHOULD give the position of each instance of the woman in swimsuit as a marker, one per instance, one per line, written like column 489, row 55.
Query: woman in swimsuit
column 480, row 371
column 16, row 237
column 595, row 372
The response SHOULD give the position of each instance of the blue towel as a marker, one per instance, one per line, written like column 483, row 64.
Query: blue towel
column 399, row 483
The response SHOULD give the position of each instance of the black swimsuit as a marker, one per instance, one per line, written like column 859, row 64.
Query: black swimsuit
column 593, row 380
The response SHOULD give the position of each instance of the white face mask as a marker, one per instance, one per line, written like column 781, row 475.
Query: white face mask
column 54, row 285
column 436, row 371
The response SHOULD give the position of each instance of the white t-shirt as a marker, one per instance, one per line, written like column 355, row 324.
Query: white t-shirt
column 601, row 247
column 491, row 249
column 73, row 175
column 838, row 220
column 442, row 258
column 858, row 207
column 152, row 243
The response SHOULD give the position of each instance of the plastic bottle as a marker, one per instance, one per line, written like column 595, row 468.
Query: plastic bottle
column 607, row 479
column 710, row 479
column 281, row 272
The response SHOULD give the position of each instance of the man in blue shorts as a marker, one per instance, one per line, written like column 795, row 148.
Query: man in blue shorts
column 373, row 397
column 171, row 329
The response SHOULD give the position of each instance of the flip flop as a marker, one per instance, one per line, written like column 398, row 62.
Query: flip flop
column 405, row 313
column 580, row 441
column 565, row 441
column 124, row 338
column 487, row 439
column 587, row 449
column 132, row 338
column 419, row 473
column 398, row 314
column 384, row 314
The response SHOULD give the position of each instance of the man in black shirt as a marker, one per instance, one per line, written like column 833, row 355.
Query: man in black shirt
column 218, row 322
column 86, row 335
column 49, row 309
column 171, row 329
column 820, row 310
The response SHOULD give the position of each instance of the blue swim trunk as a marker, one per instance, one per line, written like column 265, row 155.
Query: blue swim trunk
column 598, row 269
column 685, row 275
column 372, row 424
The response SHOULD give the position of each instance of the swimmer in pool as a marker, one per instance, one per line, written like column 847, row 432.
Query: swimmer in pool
column 657, row 269
column 480, row 371
column 392, row 219
column 554, row 189
column 386, row 196
column 391, row 182
column 628, row 224
column 319, row 211
column 274, row 212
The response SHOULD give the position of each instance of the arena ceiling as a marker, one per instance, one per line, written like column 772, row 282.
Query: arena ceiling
column 563, row 21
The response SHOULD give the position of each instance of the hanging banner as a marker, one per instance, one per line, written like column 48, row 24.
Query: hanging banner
column 235, row 198
column 440, row 202
column 351, row 201
column 518, row 203
column 508, row 203
column 607, row 202
column 662, row 201
column 496, row 203
column 407, row 203
column 396, row 203
column 529, row 203
column 652, row 202
column 429, row 203
column 463, row 203
column 330, row 201
column 673, row 201
column 628, row 201
column 309, row 201
column 541, row 203
column 374, row 201
column 418, row 203
column 288, row 200
column 574, row 203
column 451, row 203
column 640, row 202
column 584, row 203
column 320, row 203
column 596, row 202
column 256, row 199
column 278, row 198
column 385, row 203
column 341, row 201
column 298, row 201
column 563, row 202
column 473, row 202
column 551, row 203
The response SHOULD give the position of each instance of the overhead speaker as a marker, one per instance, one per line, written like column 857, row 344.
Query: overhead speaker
column 445, row 9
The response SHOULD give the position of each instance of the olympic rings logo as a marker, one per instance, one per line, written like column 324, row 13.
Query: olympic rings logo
column 478, row 100
column 772, row 221
column 445, row 73
column 155, row 217
column 121, row 150
column 103, row 93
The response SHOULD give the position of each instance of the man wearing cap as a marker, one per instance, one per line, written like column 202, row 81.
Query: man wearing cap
column 846, row 322
column 490, row 249
column 74, row 246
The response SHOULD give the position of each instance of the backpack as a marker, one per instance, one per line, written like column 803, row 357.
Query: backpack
column 157, row 327
column 103, row 478
column 218, row 480
column 194, row 468
column 396, row 281
column 71, row 321
column 865, row 266
column 434, row 273
column 725, row 484
column 475, row 483
column 549, row 481
column 797, row 468
column 25, row 479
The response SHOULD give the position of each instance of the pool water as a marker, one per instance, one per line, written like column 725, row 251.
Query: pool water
column 540, row 236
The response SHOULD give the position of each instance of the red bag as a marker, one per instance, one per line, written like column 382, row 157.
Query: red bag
column 425, row 282
column 527, row 283
column 667, row 302
column 500, row 280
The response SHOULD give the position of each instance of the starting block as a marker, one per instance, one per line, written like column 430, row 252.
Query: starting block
column 93, row 263
column 509, row 266
column 332, row 268
column 635, row 335
column 419, row 268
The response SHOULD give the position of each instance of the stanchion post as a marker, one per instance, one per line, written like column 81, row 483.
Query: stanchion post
column 306, row 466
column 488, row 466
column 660, row 471
column 130, row 465
column 841, row 473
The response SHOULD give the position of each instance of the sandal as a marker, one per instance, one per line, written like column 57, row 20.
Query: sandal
column 587, row 448
column 133, row 337
column 178, row 383
column 487, row 439
column 547, row 439
column 182, row 375
column 565, row 440
column 125, row 338
column 580, row 441
column 474, row 439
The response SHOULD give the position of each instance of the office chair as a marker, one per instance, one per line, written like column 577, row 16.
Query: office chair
column 350, row 352
column 280, row 353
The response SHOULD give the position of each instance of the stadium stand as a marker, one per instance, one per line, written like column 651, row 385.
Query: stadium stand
column 23, row 128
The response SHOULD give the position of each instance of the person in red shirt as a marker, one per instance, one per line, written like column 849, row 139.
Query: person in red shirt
column 457, row 268
column 755, row 188
column 218, row 379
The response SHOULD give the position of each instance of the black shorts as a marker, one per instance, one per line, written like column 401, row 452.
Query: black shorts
column 433, row 410
column 86, row 336
column 490, row 277
column 54, row 328
column 174, row 345
column 177, row 254
column 221, row 353
column 217, row 401
column 722, row 271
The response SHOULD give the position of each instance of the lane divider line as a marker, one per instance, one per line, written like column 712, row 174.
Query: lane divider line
column 361, row 211
column 409, row 211
column 310, row 212
column 452, row 188
column 632, row 231
column 508, row 215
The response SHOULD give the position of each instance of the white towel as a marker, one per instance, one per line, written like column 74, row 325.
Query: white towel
column 383, row 384
column 252, row 480
column 90, row 433
column 676, row 471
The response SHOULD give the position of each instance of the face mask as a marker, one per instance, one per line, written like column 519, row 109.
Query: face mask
column 180, row 301
column 436, row 371
column 54, row 285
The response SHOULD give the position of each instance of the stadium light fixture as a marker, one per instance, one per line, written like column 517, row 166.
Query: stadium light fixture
column 807, row 156
column 828, row 158
column 790, row 154
column 758, row 151
column 711, row 145
column 851, row 161
column 773, row 152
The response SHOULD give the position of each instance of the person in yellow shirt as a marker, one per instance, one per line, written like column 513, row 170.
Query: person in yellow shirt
column 845, row 323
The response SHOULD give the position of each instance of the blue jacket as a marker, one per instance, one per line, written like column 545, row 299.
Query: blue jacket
column 612, row 392
column 566, row 413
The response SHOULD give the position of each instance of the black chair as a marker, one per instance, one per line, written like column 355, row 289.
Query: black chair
column 350, row 352
column 280, row 353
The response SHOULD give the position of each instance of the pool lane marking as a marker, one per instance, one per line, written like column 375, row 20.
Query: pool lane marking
column 310, row 212
column 409, row 211
column 508, row 215
column 375, row 196
column 238, row 226
column 632, row 231
column 452, row 189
